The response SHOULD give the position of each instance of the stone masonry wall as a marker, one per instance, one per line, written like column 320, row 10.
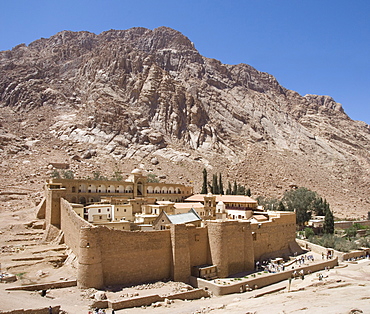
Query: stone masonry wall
column 273, row 236
column 71, row 224
column 135, row 257
column 110, row 257
column 199, row 246
column 231, row 246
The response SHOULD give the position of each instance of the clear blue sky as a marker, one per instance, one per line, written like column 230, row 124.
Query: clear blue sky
column 313, row 47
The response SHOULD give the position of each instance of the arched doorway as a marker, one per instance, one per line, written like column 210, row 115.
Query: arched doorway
column 139, row 188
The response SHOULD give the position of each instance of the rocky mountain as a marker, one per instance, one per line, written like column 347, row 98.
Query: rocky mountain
column 147, row 98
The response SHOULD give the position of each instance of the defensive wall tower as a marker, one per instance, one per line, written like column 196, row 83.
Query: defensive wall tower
column 231, row 246
column 90, row 270
column 181, row 269
column 54, row 192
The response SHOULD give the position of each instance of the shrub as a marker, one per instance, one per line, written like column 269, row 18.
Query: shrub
column 308, row 232
column 334, row 242
column 68, row 174
column 55, row 174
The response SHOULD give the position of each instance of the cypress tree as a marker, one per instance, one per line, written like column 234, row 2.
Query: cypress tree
column 215, row 189
column 204, row 186
column 240, row 190
column 220, row 185
column 248, row 192
column 235, row 189
column 228, row 190
column 329, row 221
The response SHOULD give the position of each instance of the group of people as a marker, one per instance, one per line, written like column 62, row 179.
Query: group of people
column 269, row 266
column 99, row 311
column 296, row 274
column 329, row 254
column 301, row 260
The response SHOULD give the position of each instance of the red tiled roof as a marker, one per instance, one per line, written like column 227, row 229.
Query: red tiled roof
column 224, row 198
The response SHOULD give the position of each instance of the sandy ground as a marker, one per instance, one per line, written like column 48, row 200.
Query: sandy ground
column 344, row 288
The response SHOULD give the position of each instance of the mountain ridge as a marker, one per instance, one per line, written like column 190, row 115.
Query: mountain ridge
column 138, row 94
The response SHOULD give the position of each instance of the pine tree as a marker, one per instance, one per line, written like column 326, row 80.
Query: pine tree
column 204, row 186
column 220, row 185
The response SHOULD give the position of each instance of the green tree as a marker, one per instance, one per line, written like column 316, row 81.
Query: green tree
column 329, row 222
column 228, row 190
column 220, row 185
column 235, row 189
column 68, row 174
column 117, row 176
column 152, row 178
column 98, row 176
column 308, row 232
column 204, row 186
column 55, row 174
column 268, row 203
column 301, row 201
column 281, row 207
column 351, row 232
column 318, row 206
column 248, row 192
column 215, row 189
column 240, row 190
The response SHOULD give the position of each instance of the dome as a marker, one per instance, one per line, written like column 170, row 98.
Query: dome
column 136, row 171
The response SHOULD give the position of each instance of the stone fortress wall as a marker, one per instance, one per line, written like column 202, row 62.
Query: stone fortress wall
column 115, row 257
column 273, row 236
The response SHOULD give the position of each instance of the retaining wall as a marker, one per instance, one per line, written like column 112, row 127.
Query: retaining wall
column 43, row 310
column 46, row 286
column 341, row 255
column 355, row 254
column 261, row 280
column 148, row 300
column 348, row 224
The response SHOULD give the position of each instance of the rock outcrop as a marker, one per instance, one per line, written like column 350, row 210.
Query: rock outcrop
column 133, row 95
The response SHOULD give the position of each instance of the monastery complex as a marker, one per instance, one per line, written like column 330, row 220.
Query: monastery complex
column 135, row 231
